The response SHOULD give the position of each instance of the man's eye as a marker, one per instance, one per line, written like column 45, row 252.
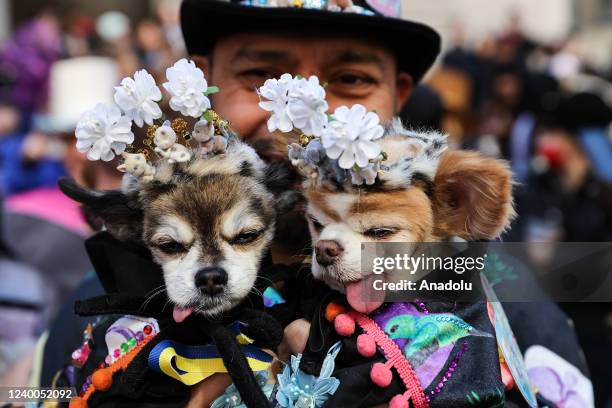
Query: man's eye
column 245, row 237
column 256, row 77
column 350, row 79
column 171, row 247
column 379, row 233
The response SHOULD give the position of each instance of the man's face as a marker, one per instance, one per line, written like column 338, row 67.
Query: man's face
column 355, row 71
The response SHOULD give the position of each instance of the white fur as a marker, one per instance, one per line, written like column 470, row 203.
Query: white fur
column 238, row 152
column 348, row 232
column 240, row 263
column 179, row 275
column 409, row 153
column 239, row 219
column 176, row 228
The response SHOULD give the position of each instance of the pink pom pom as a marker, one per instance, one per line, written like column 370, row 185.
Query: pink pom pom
column 366, row 345
column 381, row 375
column 344, row 324
column 399, row 401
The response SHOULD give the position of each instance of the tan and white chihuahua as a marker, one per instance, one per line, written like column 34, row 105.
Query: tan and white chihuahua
column 427, row 194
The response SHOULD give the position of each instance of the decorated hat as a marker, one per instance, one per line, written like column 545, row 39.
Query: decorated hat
column 105, row 131
column 340, row 149
column 416, row 45
column 343, row 149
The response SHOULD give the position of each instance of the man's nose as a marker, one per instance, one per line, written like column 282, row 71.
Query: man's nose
column 212, row 280
column 327, row 251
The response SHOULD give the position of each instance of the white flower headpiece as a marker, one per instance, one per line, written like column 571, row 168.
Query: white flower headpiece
column 347, row 136
column 106, row 130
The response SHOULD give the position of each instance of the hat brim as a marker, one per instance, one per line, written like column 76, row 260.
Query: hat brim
column 203, row 22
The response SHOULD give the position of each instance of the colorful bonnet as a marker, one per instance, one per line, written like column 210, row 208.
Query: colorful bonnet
column 348, row 148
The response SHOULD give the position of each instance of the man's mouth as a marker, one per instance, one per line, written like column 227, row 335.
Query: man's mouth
column 361, row 295
column 179, row 313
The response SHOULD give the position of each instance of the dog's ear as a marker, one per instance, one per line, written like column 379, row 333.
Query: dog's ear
column 283, row 180
column 472, row 196
column 121, row 213
column 280, row 176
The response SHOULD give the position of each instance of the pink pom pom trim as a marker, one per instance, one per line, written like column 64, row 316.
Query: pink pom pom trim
column 366, row 345
column 399, row 401
column 381, row 375
column 344, row 324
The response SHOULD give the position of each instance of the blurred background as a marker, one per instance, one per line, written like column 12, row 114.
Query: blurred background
column 524, row 80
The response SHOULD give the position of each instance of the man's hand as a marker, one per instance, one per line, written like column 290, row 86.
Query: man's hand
column 205, row 392
column 296, row 336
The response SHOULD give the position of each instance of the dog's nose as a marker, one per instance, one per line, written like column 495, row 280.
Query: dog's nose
column 211, row 280
column 327, row 251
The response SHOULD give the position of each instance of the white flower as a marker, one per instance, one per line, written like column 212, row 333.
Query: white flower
column 186, row 84
column 101, row 131
column 307, row 106
column 276, row 91
column 138, row 96
column 349, row 136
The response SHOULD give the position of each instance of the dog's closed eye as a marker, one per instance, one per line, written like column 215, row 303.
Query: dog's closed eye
column 246, row 237
column 171, row 247
column 315, row 223
column 380, row 232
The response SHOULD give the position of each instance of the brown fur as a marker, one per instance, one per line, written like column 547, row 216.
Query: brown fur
column 319, row 199
column 408, row 208
column 203, row 201
column 472, row 196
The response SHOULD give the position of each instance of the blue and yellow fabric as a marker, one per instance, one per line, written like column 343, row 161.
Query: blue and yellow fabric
column 192, row 364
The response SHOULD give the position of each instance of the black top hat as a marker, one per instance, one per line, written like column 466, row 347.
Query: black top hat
column 416, row 45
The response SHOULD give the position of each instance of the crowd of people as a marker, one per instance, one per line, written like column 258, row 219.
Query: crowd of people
column 548, row 112
column 531, row 104
column 542, row 107
column 43, row 62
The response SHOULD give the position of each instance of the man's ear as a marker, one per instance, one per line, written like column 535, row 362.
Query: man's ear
column 121, row 213
column 404, row 87
column 472, row 196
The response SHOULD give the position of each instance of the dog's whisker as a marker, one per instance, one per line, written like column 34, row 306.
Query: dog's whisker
column 157, row 292
column 150, row 298
column 166, row 304
column 155, row 289
column 152, row 293
column 256, row 292
column 265, row 278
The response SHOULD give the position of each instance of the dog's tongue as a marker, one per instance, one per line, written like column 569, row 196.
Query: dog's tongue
column 356, row 295
column 181, row 314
